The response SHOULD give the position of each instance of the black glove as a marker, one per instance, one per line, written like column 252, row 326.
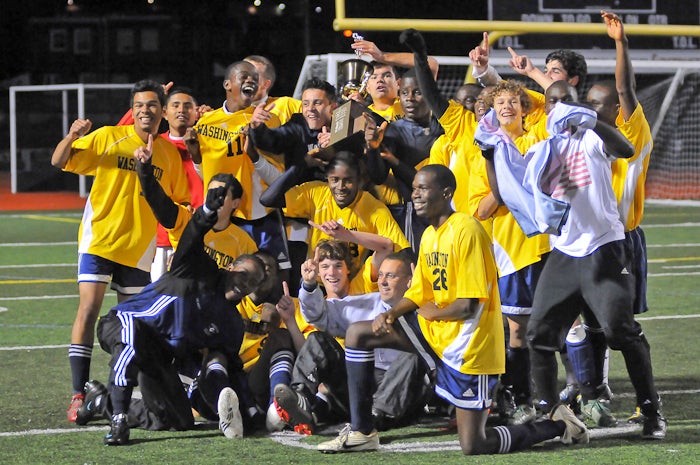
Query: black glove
column 215, row 198
column 487, row 153
column 414, row 41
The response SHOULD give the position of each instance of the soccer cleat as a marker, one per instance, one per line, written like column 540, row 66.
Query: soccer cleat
column 654, row 426
column 599, row 412
column 118, row 431
column 294, row 409
column 273, row 421
column 505, row 403
column 95, row 404
column 350, row 441
column 575, row 431
column 230, row 420
column 523, row 414
column 75, row 403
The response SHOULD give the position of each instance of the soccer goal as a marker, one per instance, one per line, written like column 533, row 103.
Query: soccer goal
column 40, row 116
column 668, row 89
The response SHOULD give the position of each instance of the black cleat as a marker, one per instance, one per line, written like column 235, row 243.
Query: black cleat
column 118, row 431
column 654, row 426
column 95, row 405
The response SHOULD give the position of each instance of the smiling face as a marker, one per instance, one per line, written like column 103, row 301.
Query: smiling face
column 382, row 85
column 430, row 201
column 481, row 106
column 414, row 107
column 393, row 279
column 508, row 108
column 180, row 113
column 147, row 112
column 317, row 108
column 335, row 277
column 241, row 86
column 344, row 183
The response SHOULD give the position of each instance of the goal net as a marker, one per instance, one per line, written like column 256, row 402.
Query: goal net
column 669, row 92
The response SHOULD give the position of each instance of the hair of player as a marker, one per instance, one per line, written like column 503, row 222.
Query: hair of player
column 610, row 85
column 573, row 62
column 325, row 86
column 347, row 158
column 267, row 256
column 231, row 182
column 180, row 90
column 443, row 176
column 410, row 73
column 376, row 64
column 331, row 249
column 250, row 258
column 236, row 64
column 268, row 68
column 510, row 86
column 405, row 256
column 469, row 85
column 148, row 85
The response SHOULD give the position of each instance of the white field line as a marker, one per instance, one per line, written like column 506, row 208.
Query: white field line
column 48, row 297
column 39, row 265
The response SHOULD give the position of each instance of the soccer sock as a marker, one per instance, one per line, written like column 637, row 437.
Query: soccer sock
column 215, row 379
column 518, row 362
column 544, row 373
column 281, row 365
column 582, row 361
column 600, row 351
column 79, row 357
column 360, row 369
column 519, row 437
column 121, row 398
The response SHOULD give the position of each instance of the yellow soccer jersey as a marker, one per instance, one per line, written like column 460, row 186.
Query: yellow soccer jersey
column 455, row 262
column 512, row 248
column 456, row 150
column 536, row 113
column 118, row 223
column 222, row 147
column 252, row 343
column 629, row 174
column 284, row 108
column 392, row 113
column 313, row 200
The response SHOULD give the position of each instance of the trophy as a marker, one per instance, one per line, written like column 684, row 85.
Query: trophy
column 355, row 73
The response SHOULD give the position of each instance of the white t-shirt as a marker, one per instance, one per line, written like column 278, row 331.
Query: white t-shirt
column 586, row 184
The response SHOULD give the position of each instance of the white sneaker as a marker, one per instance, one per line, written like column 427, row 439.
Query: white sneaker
column 576, row 431
column 350, row 441
column 523, row 414
column 230, row 420
column 273, row 421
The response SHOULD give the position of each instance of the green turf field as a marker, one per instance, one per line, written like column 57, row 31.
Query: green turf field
column 38, row 300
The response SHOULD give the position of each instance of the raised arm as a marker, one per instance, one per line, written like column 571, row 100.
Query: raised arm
column 164, row 209
column 624, row 74
column 431, row 93
column 402, row 59
column 63, row 151
column 616, row 145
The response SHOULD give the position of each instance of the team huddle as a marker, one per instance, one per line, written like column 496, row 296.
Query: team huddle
column 442, row 262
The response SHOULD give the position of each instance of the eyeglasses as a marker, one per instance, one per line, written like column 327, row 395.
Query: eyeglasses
column 390, row 276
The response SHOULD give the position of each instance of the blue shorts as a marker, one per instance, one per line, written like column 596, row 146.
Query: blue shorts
column 517, row 290
column 468, row 392
column 125, row 279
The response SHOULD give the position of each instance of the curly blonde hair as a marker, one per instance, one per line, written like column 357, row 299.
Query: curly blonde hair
column 511, row 87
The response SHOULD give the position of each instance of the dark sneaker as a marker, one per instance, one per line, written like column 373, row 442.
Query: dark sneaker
column 95, row 404
column 75, row 403
column 654, row 426
column 576, row 431
column 118, row 431
column 294, row 409
column 350, row 441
